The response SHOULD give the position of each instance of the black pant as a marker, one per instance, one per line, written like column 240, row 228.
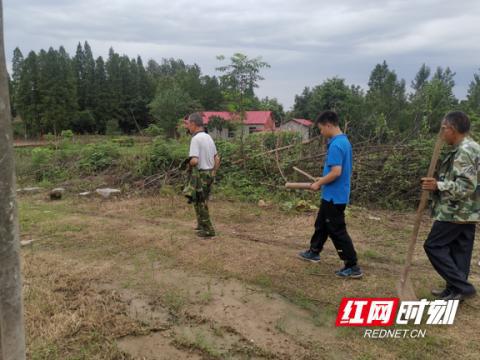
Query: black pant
column 331, row 222
column 449, row 247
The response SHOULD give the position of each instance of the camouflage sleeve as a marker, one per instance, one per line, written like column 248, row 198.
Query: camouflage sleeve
column 465, row 178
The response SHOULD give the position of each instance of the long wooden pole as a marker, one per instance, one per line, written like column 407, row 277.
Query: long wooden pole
column 304, row 173
column 405, row 287
column 298, row 186
column 12, row 332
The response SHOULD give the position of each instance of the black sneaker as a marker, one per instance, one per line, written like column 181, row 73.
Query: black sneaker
column 353, row 272
column 309, row 255
column 453, row 295
column 205, row 235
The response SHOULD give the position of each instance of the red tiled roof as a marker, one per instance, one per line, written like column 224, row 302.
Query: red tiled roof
column 258, row 117
column 303, row 122
column 252, row 117
column 208, row 114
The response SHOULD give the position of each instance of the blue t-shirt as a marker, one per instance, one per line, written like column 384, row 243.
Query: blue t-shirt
column 339, row 153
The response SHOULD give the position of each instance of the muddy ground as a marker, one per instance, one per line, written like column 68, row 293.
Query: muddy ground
column 128, row 279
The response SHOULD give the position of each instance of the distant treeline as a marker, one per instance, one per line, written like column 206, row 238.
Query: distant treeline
column 52, row 91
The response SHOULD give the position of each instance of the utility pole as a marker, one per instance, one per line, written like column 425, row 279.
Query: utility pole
column 12, row 332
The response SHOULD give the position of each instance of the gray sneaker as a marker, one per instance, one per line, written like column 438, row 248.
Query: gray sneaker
column 440, row 293
column 353, row 272
column 309, row 255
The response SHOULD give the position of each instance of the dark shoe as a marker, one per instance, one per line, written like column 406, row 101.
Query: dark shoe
column 440, row 293
column 309, row 255
column 198, row 228
column 458, row 296
column 205, row 235
column 353, row 272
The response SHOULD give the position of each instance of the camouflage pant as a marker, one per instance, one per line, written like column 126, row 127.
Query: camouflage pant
column 198, row 191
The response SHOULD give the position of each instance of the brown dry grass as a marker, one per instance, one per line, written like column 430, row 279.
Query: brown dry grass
column 135, row 243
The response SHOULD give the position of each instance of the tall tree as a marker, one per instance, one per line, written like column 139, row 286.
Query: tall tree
column 334, row 94
column 17, row 63
column 57, row 90
column 12, row 331
column 79, row 69
column 171, row 103
column 386, row 98
column 439, row 97
column 240, row 79
column 211, row 96
column 301, row 105
column 473, row 96
column 145, row 90
column 421, row 78
column 272, row 104
column 417, row 111
column 114, row 81
column 88, row 77
column 27, row 95
column 102, row 97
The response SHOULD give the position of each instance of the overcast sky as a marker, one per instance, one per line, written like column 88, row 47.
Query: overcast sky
column 304, row 41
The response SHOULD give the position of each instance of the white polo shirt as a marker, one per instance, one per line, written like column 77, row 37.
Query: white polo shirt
column 203, row 148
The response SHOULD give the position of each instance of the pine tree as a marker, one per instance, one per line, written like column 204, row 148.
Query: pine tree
column 114, row 83
column 57, row 91
column 145, row 92
column 27, row 96
column 170, row 104
column 89, row 77
column 301, row 106
column 439, row 97
column 211, row 96
column 473, row 96
column 17, row 63
column 421, row 79
column 79, row 70
column 417, row 108
column 386, row 98
column 102, row 110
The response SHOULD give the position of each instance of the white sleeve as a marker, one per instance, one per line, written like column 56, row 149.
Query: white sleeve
column 194, row 148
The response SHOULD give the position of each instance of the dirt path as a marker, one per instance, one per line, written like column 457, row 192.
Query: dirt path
column 132, row 280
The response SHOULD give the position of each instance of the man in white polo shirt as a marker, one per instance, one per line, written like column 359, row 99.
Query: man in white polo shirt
column 204, row 162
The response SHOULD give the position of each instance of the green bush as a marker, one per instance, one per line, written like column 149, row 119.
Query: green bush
column 67, row 134
column 124, row 141
column 271, row 140
column 49, row 137
column 98, row 157
column 164, row 154
column 154, row 130
column 41, row 165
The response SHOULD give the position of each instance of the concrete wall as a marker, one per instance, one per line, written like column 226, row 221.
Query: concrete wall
column 294, row 126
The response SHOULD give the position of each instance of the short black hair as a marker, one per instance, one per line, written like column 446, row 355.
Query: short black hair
column 458, row 120
column 327, row 117
column 196, row 118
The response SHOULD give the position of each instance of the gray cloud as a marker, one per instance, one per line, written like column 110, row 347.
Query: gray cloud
column 304, row 41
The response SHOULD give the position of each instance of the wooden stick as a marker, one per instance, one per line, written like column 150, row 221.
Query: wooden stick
column 304, row 173
column 279, row 149
column 405, row 288
column 277, row 160
column 298, row 186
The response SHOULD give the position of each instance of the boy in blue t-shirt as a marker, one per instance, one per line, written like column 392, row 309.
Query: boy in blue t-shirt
column 335, row 185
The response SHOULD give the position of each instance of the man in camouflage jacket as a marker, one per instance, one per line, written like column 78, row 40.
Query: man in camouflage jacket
column 455, row 208
column 203, row 162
